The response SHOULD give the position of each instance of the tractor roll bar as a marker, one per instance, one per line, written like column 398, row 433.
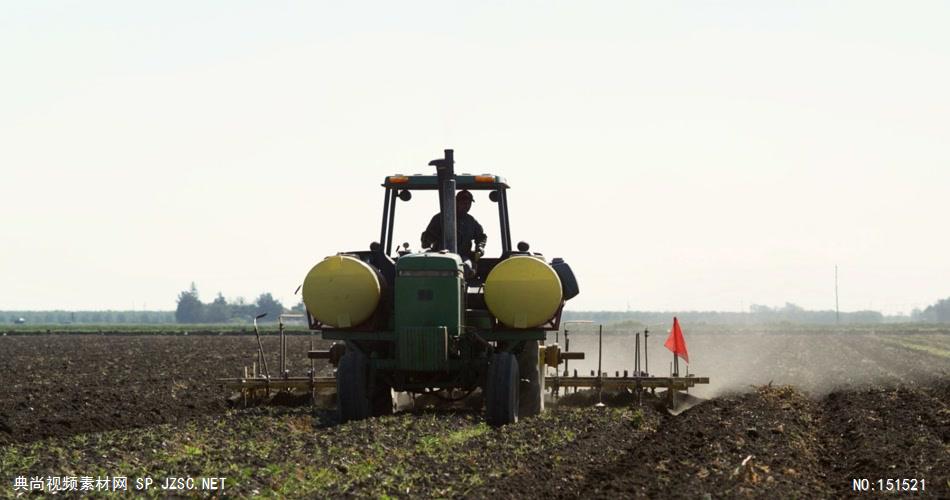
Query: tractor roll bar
column 505, row 222
column 392, row 216
column 383, row 236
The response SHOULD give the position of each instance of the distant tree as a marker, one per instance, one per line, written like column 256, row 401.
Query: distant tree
column 218, row 310
column 864, row 317
column 933, row 313
column 759, row 309
column 939, row 312
column 299, row 308
column 267, row 304
column 240, row 310
column 792, row 309
column 925, row 315
column 189, row 308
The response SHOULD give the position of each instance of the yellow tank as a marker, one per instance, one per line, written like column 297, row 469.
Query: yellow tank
column 341, row 291
column 523, row 292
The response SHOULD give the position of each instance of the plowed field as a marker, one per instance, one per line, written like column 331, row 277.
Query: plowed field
column 790, row 414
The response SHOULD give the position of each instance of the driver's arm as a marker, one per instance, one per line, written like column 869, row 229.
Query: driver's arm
column 432, row 234
column 480, row 239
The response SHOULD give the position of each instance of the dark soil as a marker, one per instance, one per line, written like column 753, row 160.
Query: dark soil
column 57, row 385
column 881, row 433
column 770, row 442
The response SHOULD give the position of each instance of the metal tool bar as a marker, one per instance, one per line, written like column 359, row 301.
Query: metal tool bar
column 567, row 340
column 678, row 383
column 570, row 355
column 283, row 347
column 277, row 384
column 260, row 347
column 283, row 339
column 636, row 356
column 646, row 357
column 600, row 349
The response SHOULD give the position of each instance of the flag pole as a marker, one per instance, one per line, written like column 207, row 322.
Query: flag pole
column 676, row 361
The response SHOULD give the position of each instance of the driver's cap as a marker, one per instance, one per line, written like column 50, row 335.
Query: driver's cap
column 465, row 195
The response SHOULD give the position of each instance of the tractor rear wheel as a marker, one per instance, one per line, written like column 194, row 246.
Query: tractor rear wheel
column 531, row 402
column 351, row 387
column 501, row 391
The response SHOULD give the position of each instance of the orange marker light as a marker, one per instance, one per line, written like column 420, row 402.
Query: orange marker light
column 485, row 178
column 397, row 179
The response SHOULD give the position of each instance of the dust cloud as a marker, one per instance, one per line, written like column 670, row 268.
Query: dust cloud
column 815, row 360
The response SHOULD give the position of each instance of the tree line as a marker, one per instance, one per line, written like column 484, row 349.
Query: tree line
column 759, row 314
column 60, row 317
column 191, row 309
column 934, row 313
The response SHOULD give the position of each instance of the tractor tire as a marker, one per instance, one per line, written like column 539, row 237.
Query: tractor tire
column 351, row 387
column 531, row 401
column 501, row 391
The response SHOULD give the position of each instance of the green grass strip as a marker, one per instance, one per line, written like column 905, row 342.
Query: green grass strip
column 936, row 351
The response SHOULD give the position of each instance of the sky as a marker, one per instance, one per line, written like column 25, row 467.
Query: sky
column 678, row 155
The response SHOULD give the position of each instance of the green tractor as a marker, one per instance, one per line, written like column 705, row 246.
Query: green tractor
column 433, row 322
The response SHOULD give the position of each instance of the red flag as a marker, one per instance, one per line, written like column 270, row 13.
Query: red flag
column 675, row 342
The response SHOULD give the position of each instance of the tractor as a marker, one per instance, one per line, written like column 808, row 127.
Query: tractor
column 431, row 322
column 446, row 323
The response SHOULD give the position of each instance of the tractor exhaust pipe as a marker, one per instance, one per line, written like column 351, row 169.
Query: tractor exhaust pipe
column 445, row 168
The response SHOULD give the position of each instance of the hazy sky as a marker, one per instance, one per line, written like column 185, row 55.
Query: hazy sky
column 679, row 155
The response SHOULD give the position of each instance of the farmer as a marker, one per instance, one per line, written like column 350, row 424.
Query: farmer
column 468, row 230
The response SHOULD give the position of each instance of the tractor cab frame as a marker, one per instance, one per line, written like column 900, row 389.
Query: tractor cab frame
column 402, row 186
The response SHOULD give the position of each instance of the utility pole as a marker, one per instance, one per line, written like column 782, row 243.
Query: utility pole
column 837, row 314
